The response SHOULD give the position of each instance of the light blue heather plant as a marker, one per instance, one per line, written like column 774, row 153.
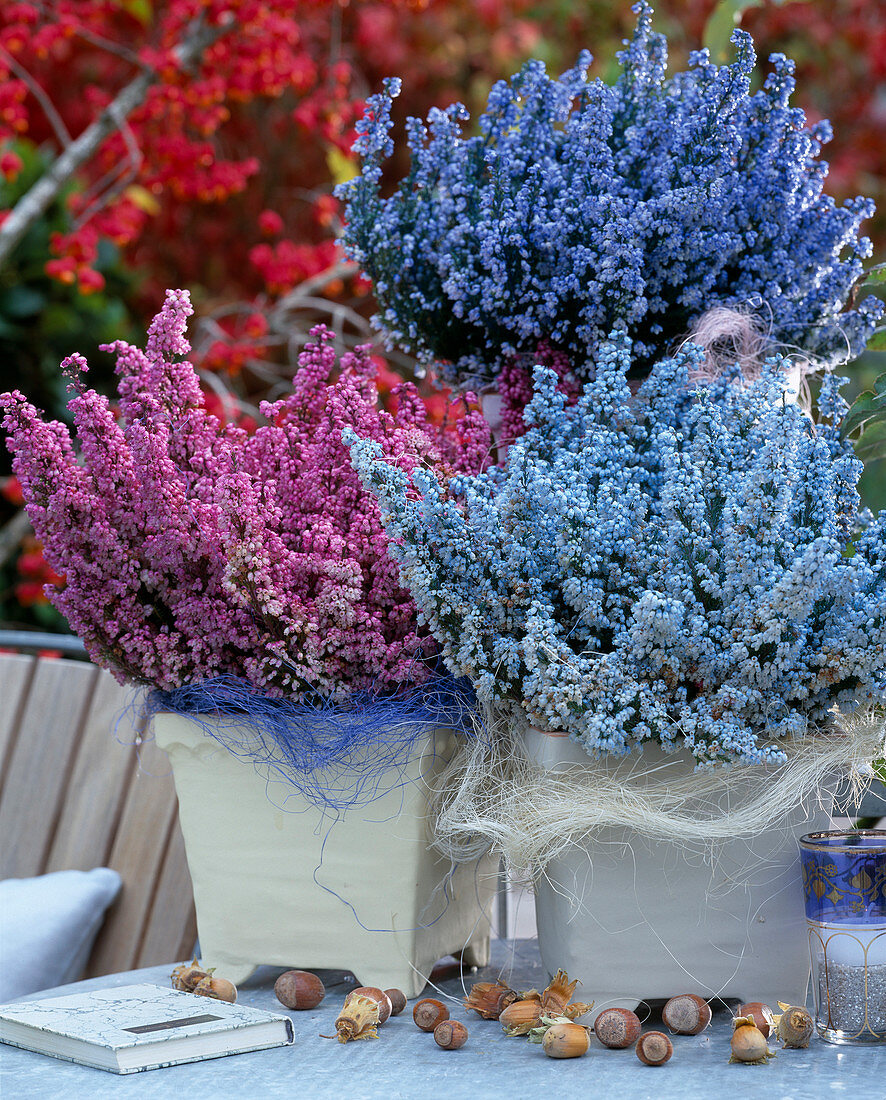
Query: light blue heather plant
column 581, row 206
column 681, row 567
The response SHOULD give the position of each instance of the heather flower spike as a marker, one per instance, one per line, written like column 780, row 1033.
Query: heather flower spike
column 192, row 550
column 580, row 207
column 683, row 567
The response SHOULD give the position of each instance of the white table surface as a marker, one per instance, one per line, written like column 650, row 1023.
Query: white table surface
column 406, row 1063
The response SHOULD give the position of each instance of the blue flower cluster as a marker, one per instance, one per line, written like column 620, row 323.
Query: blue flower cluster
column 681, row 566
column 583, row 206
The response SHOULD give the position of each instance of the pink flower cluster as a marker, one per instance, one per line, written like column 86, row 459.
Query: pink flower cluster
column 514, row 385
column 191, row 549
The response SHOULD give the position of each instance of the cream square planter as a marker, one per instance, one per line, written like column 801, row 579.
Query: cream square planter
column 277, row 882
column 638, row 919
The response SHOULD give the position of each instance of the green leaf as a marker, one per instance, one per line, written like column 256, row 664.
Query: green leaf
column 872, row 444
column 864, row 407
column 879, row 767
column 878, row 341
column 722, row 22
column 875, row 277
column 21, row 301
column 142, row 10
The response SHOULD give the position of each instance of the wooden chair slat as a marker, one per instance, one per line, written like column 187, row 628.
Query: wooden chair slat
column 40, row 761
column 76, row 793
column 172, row 912
column 105, row 760
column 15, row 677
column 138, row 853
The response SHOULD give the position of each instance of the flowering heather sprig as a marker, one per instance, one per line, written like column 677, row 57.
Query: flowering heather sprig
column 191, row 549
column 683, row 567
column 581, row 207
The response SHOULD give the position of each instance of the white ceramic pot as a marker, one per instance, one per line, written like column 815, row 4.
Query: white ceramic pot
column 277, row 882
column 638, row 919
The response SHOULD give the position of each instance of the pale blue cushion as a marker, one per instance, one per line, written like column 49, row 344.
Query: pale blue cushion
column 48, row 925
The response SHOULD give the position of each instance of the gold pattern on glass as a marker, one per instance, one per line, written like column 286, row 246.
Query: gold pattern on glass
column 850, row 996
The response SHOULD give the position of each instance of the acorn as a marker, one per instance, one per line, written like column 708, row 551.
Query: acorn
column 219, row 989
column 358, row 1019
column 686, row 1014
column 748, row 1043
column 761, row 1014
column 654, row 1048
column 794, row 1026
column 299, row 989
column 450, row 1034
column 617, row 1028
column 385, row 1008
column 489, row 999
column 565, row 1039
column 428, row 1013
column 398, row 1000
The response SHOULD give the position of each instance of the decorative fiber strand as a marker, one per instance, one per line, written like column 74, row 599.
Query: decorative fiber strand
column 493, row 796
column 335, row 755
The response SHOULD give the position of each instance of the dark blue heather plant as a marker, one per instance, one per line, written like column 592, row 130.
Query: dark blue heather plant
column 681, row 568
column 581, row 207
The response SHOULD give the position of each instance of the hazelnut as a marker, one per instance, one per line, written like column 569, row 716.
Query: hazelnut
column 380, row 997
column 220, row 989
column 654, row 1048
column 428, row 1013
column 450, row 1035
column 748, row 1043
column 565, row 1039
column 686, row 1014
column 299, row 989
column 794, row 1026
column 761, row 1015
column 617, row 1028
column 398, row 1000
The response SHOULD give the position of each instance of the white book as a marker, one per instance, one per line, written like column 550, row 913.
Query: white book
column 136, row 1027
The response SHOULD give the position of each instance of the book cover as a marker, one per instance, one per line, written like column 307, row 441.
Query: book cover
column 138, row 1027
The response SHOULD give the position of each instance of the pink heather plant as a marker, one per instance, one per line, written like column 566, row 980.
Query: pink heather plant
column 191, row 549
column 514, row 385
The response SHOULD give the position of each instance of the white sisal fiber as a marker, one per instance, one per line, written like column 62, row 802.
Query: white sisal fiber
column 493, row 796
column 728, row 336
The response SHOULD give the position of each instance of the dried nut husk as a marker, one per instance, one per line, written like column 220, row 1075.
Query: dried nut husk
column 384, row 1001
column 686, row 1014
column 748, row 1043
column 794, row 1026
column 428, row 1013
column 564, row 1039
column 654, row 1048
column 761, row 1014
column 489, row 999
column 450, row 1035
column 187, row 975
column 358, row 1019
column 398, row 1000
column 220, row 989
column 557, row 995
column 521, row 1017
column 299, row 989
column 617, row 1028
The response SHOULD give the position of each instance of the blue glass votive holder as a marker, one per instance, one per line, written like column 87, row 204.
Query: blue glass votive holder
column 844, row 884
